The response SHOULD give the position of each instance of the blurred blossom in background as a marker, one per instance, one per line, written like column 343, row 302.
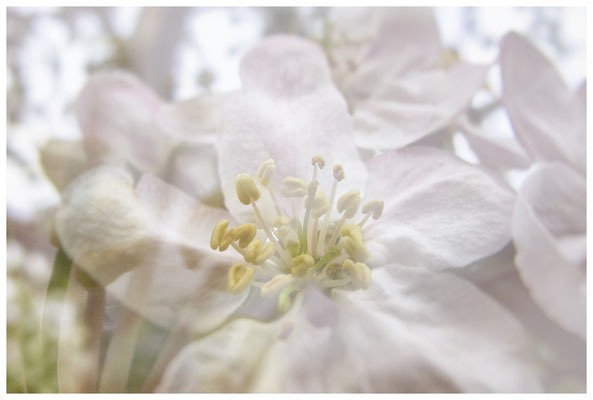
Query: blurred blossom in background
column 191, row 57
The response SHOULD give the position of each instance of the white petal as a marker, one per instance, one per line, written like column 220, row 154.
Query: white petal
column 193, row 168
column 553, row 270
column 290, row 112
column 62, row 161
column 558, row 195
column 116, row 113
column 495, row 153
column 439, row 211
column 435, row 332
column 540, row 105
column 407, row 110
column 407, row 42
column 414, row 331
column 112, row 231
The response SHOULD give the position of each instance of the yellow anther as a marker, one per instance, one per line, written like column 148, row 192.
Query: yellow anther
column 276, row 284
column 301, row 264
column 265, row 172
column 245, row 233
column 320, row 161
column 239, row 277
column 264, row 252
column 252, row 251
column 353, row 242
column 228, row 237
column 247, row 191
column 281, row 221
column 293, row 187
column 349, row 202
column 359, row 273
column 374, row 207
column 320, row 204
column 218, row 233
column 339, row 172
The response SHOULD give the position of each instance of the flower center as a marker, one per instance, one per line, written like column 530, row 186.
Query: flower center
column 323, row 247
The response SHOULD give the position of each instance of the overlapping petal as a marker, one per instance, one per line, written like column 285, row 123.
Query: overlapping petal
column 549, row 231
column 546, row 116
column 413, row 331
column 289, row 111
column 404, row 111
column 153, row 232
column 116, row 114
column 439, row 211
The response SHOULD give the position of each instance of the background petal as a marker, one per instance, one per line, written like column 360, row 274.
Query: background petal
column 116, row 114
column 553, row 270
column 440, row 212
column 543, row 111
column 404, row 111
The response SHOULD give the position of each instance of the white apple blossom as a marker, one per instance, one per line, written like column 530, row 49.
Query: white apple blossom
column 400, row 82
column 359, row 304
column 549, row 220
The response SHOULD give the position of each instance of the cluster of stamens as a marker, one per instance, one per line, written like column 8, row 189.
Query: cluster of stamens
column 294, row 252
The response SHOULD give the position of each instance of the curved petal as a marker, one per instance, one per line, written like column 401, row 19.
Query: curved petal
column 554, row 274
column 407, row 42
column 404, row 111
column 495, row 153
column 290, row 111
column 62, row 161
column 558, row 196
column 156, row 234
column 439, row 212
column 458, row 337
column 540, row 105
column 414, row 331
column 116, row 114
column 194, row 169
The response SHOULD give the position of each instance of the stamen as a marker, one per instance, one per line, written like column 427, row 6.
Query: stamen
column 247, row 191
column 272, row 238
column 239, row 277
column 309, row 205
column 348, row 203
column 293, row 187
column 353, row 242
column 228, row 237
column 218, row 233
column 360, row 274
column 374, row 208
column 265, row 172
column 245, row 233
column 338, row 177
column 276, row 284
column 301, row 264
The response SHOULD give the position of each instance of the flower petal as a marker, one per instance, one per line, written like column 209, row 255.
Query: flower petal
column 116, row 113
column 408, row 42
column 552, row 269
column 406, row 110
column 290, row 112
column 62, row 161
column 439, row 211
column 453, row 335
column 414, row 331
column 540, row 105
column 495, row 153
column 558, row 196
column 113, row 232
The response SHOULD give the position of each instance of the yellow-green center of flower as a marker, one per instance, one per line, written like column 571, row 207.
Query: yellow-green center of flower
column 323, row 247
